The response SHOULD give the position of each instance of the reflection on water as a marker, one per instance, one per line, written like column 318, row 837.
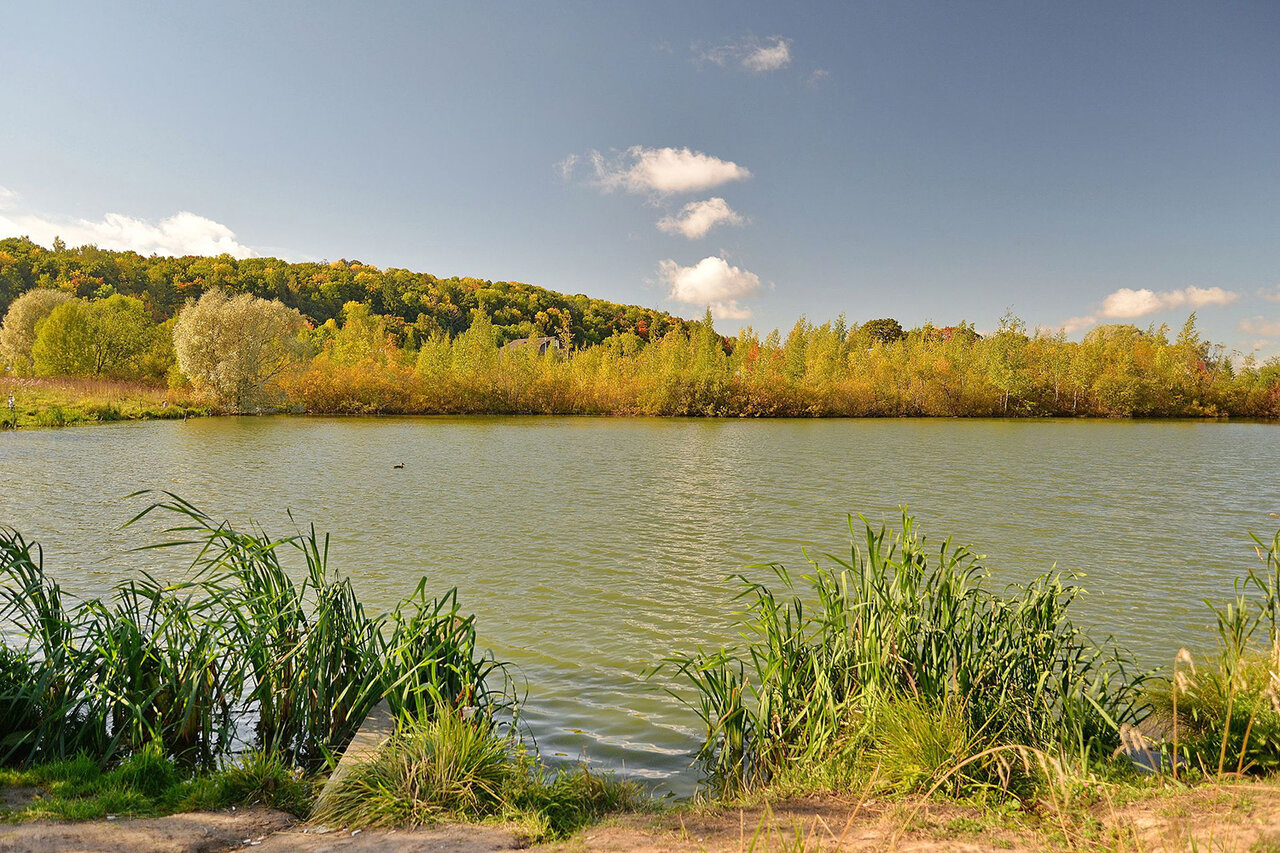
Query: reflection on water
column 592, row 548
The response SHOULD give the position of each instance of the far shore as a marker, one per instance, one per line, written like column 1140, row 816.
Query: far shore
column 41, row 403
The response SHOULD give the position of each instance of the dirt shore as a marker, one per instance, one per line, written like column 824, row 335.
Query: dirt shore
column 1244, row 817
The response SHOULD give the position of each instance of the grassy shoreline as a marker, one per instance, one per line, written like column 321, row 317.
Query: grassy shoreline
column 59, row 402
column 895, row 676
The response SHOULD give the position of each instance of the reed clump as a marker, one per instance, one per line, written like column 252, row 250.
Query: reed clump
column 244, row 682
column 898, row 665
column 239, row 655
column 1222, row 717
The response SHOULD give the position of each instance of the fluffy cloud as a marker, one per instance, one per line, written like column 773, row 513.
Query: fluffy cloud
column 181, row 234
column 1126, row 303
column 698, row 217
column 657, row 170
column 751, row 54
column 1260, row 327
column 711, row 281
column 1270, row 294
column 1078, row 324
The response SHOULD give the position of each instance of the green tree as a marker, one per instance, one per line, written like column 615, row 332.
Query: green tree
column 885, row 330
column 363, row 336
column 104, row 337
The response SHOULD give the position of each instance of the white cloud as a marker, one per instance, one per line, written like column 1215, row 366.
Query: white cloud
column 1127, row 303
column 771, row 57
column 657, row 170
column 183, row 233
column 1270, row 294
column 566, row 166
column 751, row 54
column 8, row 198
column 1260, row 327
column 698, row 217
column 816, row 76
column 1078, row 324
column 711, row 282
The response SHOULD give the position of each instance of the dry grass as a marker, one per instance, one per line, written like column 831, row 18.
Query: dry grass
column 65, row 401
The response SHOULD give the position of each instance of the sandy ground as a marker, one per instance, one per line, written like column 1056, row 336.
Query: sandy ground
column 1244, row 817
column 203, row 832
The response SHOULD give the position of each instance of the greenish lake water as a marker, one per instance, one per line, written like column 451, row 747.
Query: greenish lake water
column 592, row 548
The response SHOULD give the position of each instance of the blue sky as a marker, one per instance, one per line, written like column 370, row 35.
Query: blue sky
column 1075, row 162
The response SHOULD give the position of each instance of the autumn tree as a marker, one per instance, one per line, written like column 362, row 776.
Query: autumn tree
column 235, row 346
column 363, row 336
column 18, row 334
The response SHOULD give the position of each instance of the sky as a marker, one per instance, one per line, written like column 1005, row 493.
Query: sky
column 1076, row 163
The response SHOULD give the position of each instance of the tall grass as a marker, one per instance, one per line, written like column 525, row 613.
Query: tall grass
column 1224, row 715
column 238, row 654
column 899, row 650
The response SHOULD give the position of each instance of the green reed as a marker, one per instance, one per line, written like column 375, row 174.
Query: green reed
column 853, row 639
column 239, row 654
column 1225, row 714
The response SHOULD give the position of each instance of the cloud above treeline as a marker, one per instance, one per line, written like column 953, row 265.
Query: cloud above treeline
column 657, row 171
column 711, row 282
column 184, row 233
column 697, row 218
column 750, row 54
column 1130, row 304
column 1260, row 326
column 1126, row 303
column 659, row 174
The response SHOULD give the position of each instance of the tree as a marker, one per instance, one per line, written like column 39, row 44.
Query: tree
column 886, row 330
column 363, row 336
column 1007, row 353
column 235, row 346
column 18, row 334
column 100, row 338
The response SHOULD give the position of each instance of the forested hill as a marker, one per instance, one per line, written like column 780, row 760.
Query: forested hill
column 417, row 305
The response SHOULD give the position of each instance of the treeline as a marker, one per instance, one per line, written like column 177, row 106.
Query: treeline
column 416, row 305
column 246, row 353
column 249, row 353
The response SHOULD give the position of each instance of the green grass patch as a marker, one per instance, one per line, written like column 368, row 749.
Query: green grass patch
column 458, row 769
column 147, row 784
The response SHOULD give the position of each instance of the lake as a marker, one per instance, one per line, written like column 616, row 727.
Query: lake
column 592, row 548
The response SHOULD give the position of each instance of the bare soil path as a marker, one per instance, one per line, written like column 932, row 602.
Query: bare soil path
column 1240, row 818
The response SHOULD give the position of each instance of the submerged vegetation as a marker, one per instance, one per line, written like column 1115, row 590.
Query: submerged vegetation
column 346, row 337
column 895, row 671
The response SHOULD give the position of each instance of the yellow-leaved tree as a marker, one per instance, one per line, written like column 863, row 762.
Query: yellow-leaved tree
column 234, row 346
